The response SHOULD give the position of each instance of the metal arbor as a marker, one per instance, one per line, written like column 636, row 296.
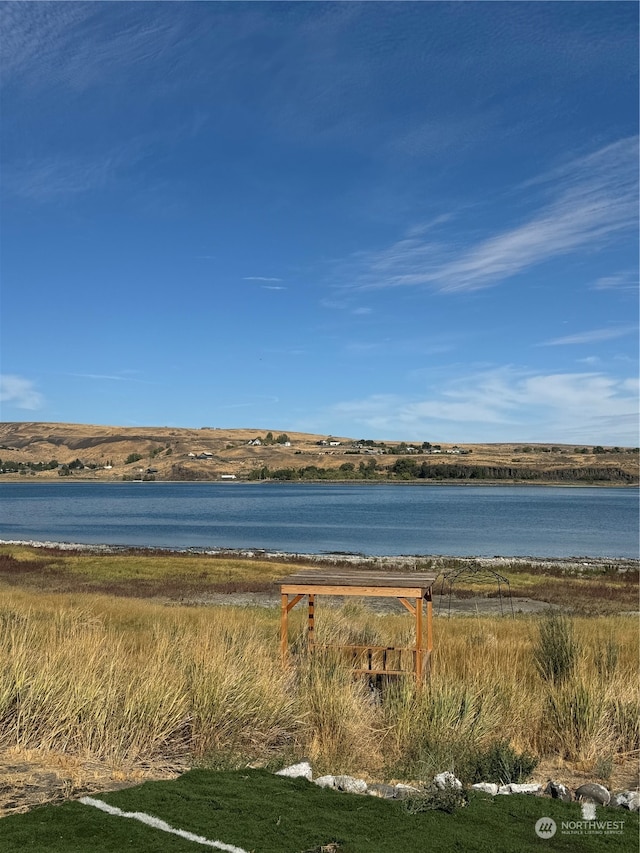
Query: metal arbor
column 474, row 573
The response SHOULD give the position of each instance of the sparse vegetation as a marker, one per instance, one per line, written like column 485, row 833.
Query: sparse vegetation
column 125, row 679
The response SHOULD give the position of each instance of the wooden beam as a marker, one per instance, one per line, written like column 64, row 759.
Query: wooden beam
column 360, row 577
column 294, row 601
column 377, row 591
column 284, row 626
column 311, row 626
column 418, row 641
column 408, row 605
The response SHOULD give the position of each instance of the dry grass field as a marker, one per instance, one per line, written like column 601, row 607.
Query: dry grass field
column 172, row 453
column 99, row 690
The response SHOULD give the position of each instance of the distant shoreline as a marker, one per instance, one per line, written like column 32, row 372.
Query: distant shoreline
column 341, row 556
column 596, row 484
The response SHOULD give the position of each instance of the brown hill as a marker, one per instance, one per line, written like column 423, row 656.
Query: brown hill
column 169, row 453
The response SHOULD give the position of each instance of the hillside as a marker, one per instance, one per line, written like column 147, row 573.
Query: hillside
column 110, row 453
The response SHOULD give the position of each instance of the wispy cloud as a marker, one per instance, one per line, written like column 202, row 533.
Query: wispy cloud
column 581, row 206
column 260, row 278
column 107, row 376
column 618, row 281
column 43, row 177
column 65, row 44
column 592, row 336
column 124, row 376
column 20, row 392
column 44, row 180
column 508, row 404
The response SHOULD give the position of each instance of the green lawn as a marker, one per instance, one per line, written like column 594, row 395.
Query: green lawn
column 260, row 812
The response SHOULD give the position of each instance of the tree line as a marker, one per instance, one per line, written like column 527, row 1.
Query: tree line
column 408, row 469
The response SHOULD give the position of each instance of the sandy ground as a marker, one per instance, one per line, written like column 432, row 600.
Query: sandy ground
column 31, row 778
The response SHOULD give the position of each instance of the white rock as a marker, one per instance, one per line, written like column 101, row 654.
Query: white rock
column 487, row 787
column 385, row 792
column 350, row 785
column 447, row 780
column 504, row 789
column 628, row 800
column 326, row 781
column 525, row 788
column 302, row 770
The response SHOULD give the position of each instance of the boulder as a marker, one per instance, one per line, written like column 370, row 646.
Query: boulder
column 487, row 787
column 404, row 791
column 385, row 792
column 302, row 770
column 594, row 792
column 558, row 791
column 326, row 781
column 524, row 788
column 447, row 780
column 627, row 800
column 350, row 785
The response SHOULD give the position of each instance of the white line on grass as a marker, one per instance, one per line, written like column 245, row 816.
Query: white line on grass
column 156, row 823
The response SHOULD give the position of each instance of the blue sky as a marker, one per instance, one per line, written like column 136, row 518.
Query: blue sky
column 380, row 220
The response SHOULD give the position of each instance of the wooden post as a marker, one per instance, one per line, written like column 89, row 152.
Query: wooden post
column 284, row 626
column 429, row 630
column 311, row 626
column 418, row 641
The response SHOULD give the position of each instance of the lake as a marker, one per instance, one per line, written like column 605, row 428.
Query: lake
column 537, row 521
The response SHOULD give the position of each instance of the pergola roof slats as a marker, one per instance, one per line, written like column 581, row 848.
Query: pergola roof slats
column 361, row 582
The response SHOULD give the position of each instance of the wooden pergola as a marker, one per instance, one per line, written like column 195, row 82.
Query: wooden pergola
column 412, row 589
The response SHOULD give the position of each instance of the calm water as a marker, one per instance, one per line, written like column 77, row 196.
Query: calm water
column 378, row 520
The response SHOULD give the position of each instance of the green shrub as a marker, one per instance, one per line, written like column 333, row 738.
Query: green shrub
column 431, row 798
column 556, row 651
column 499, row 763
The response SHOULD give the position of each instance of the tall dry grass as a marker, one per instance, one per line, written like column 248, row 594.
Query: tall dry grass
column 128, row 681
